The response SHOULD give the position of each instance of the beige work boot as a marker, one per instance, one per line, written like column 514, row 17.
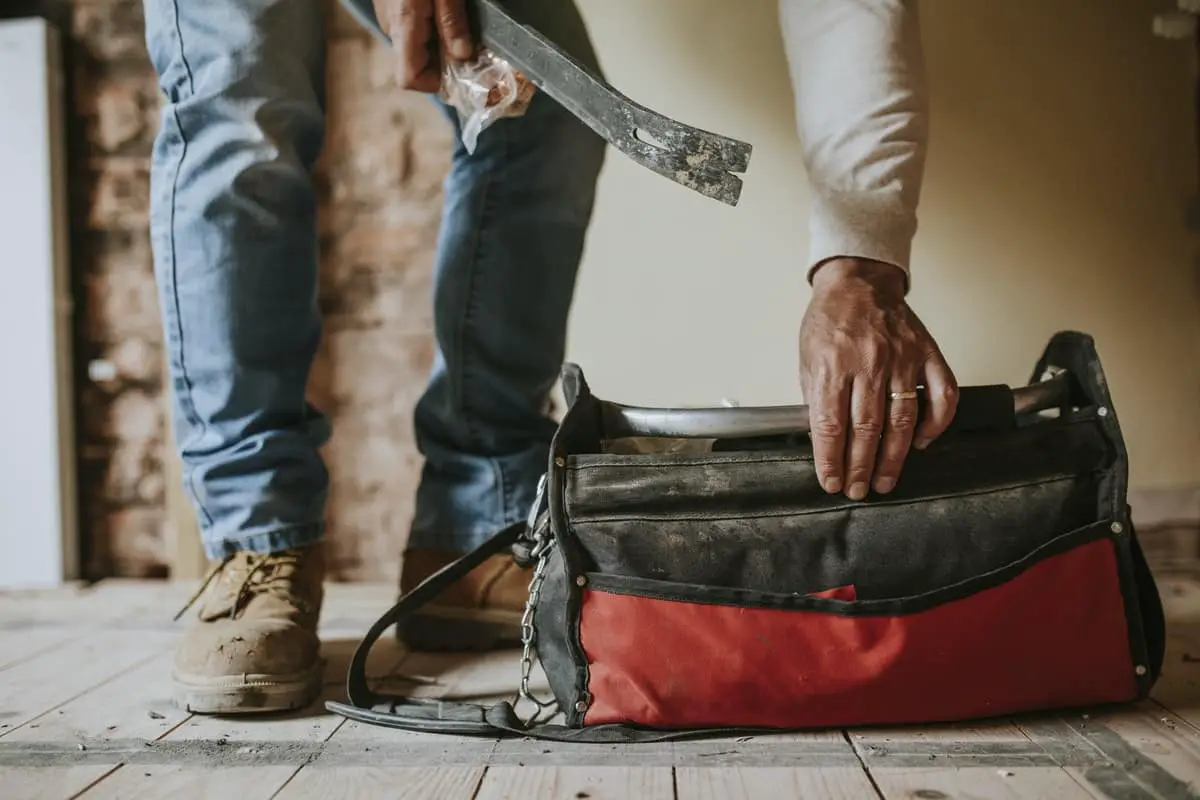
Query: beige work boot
column 253, row 646
column 480, row 612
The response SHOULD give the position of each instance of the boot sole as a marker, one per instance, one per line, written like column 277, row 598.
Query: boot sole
column 445, row 629
column 247, row 694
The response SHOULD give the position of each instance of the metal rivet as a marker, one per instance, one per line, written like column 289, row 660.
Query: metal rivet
column 581, row 580
column 581, row 706
column 1102, row 411
column 1116, row 527
column 1140, row 670
column 560, row 462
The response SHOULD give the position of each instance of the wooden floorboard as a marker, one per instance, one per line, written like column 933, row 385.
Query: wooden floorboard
column 39, row 783
column 85, row 711
column 21, row 645
column 981, row 783
column 597, row 783
column 155, row 781
column 41, row 684
column 778, row 783
column 394, row 783
column 134, row 704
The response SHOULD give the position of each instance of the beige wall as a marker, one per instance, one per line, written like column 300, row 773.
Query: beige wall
column 1061, row 159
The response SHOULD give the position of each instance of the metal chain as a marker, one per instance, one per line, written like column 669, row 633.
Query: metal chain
column 543, row 543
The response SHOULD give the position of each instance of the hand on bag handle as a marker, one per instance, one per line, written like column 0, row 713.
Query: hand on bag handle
column 979, row 408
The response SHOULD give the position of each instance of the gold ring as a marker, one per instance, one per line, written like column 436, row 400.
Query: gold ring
column 903, row 395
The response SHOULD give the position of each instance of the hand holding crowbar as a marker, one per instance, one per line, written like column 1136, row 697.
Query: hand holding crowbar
column 702, row 161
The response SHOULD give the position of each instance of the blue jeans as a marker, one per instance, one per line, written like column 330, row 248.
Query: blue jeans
column 233, row 231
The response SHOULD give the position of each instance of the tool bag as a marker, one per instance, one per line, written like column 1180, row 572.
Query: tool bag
column 719, row 591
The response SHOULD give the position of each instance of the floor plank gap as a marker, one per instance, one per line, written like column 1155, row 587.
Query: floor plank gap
column 866, row 770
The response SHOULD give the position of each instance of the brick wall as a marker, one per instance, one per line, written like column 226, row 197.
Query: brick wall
column 386, row 153
column 113, row 105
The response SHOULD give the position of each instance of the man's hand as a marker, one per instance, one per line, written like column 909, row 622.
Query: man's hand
column 419, row 30
column 860, row 342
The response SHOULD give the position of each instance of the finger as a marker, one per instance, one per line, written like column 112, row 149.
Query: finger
column 897, row 432
column 942, row 391
column 453, row 29
column 429, row 82
column 867, row 408
column 412, row 33
column 828, row 415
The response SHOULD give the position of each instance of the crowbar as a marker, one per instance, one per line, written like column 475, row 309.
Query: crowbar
column 702, row 161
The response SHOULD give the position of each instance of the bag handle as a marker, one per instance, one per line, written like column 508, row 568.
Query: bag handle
column 979, row 408
column 470, row 719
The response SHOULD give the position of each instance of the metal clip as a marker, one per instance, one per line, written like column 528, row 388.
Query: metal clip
column 522, row 549
column 539, row 500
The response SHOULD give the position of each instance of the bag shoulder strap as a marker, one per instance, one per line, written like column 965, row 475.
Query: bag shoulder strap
column 434, row 716
column 470, row 719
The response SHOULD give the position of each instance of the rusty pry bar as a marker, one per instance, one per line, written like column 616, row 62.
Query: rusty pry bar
column 703, row 162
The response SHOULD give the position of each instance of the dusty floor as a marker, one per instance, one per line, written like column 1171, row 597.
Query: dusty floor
column 85, row 712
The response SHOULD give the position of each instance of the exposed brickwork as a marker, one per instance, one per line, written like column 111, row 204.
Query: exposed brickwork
column 386, row 155
column 113, row 106
column 380, row 181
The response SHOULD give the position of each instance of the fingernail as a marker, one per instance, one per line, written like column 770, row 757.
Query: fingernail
column 461, row 48
column 857, row 491
column 833, row 485
column 885, row 485
column 921, row 444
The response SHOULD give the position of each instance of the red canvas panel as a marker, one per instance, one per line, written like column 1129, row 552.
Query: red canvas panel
column 1055, row 635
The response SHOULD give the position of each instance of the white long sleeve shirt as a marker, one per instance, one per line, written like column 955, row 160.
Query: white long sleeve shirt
column 858, row 72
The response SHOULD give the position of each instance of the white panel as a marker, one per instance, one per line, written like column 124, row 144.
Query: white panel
column 38, row 529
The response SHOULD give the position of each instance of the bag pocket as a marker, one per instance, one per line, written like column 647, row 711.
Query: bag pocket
column 1047, row 631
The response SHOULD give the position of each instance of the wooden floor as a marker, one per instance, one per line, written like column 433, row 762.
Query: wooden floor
column 85, row 712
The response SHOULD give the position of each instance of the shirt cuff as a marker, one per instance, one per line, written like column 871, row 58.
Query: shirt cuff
column 871, row 225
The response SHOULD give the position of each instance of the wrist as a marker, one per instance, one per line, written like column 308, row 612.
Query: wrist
column 841, row 272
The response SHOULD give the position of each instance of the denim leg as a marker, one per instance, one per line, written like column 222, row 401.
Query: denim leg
column 233, row 231
column 514, row 222
column 516, row 213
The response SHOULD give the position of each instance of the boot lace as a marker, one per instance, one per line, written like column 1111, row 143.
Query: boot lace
column 255, row 574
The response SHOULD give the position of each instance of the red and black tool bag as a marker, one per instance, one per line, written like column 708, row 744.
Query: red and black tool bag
column 680, row 593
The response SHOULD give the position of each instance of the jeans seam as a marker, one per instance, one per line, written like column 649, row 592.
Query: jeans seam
column 504, row 483
column 471, row 305
column 307, row 533
column 185, row 396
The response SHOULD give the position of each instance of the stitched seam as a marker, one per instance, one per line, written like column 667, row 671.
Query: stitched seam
column 594, row 462
column 460, row 393
column 186, row 402
column 748, row 598
column 502, row 494
column 568, row 548
column 622, row 461
column 269, row 538
column 578, row 462
column 584, row 518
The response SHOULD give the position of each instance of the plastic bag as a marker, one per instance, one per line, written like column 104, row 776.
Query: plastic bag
column 482, row 91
